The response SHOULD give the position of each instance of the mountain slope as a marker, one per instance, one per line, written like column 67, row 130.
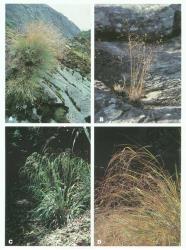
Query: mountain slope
column 18, row 15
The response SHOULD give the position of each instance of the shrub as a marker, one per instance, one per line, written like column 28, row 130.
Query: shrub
column 138, row 201
column 60, row 185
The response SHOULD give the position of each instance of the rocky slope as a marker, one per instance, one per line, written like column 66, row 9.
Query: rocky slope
column 162, row 99
column 19, row 15
column 69, row 87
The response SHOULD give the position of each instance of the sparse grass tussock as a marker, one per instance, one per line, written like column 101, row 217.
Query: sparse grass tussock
column 119, row 88
column 138, row 201
column 60, row 185
column 140, row 59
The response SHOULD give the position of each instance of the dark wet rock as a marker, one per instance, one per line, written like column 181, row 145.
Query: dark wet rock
column 115, row 21
column 111, row 108
column 163, row 86
column 164, row 114
column 112, row 62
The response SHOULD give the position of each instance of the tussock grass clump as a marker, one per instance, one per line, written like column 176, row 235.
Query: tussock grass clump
column 119, row 88
column 140, row 59
column 60, row 185
column 138, row 201
column 30, row 56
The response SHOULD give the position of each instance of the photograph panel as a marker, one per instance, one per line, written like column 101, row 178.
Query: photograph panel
column 138, row 63
column 137, row 186
column 47, row 63
column 47, row 186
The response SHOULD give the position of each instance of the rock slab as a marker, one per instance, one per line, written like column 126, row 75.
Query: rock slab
column 154, row 20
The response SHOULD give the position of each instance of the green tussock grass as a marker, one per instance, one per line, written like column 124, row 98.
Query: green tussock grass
column 60, row 185
column 30, row 56
column 139, row 202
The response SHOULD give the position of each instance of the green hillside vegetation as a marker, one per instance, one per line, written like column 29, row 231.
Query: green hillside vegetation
column 78, row 54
